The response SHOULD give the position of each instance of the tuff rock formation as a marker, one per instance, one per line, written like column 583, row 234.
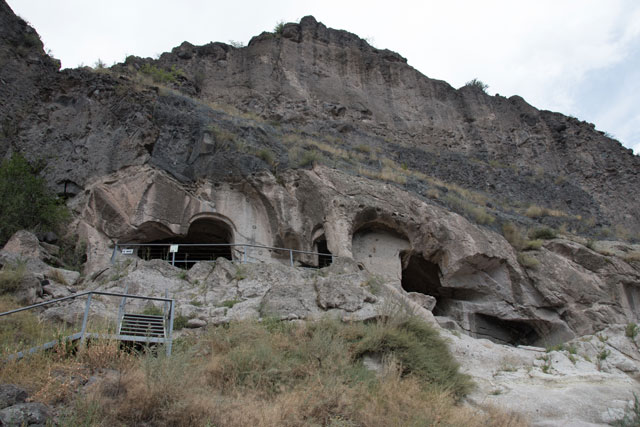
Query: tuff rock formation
column 269, row 146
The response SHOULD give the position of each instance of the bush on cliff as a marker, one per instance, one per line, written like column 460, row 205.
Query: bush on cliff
column 25, row 200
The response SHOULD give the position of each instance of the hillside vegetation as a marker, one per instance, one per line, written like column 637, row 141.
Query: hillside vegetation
column 269, row 374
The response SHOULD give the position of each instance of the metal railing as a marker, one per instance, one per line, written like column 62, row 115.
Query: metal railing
column 83, row 334
column 243, row 255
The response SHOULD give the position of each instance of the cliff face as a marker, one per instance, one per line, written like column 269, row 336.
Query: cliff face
column 315, row 141
column 149, row 148
column 218, row 109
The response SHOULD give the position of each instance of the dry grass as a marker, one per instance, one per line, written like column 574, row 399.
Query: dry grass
column 21, row 331
column 535, row 211
column 57, row 276
column 514, row 235
column 269, row 374
column 632, row 257
column 528, row 261
column 10, row 277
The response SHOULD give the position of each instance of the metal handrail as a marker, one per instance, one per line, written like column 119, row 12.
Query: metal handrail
column 83, row 333
column 244, row 245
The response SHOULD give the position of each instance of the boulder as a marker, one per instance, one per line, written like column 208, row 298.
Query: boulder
column 62, row 276
column 24, row 244
column 344, row 292
column 426, row 301
column 196, row 323
column 11, row 394
column 26, row 414
column 29, row 289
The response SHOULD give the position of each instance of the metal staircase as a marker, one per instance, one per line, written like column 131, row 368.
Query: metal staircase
column 131, row 327
column 142, row 325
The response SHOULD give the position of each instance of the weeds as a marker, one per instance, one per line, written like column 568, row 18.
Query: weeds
column 631, row 417
column 532, row 245
column 544, row 233
column 229, row 303
column 241, row 272
column 267, row 156
column 159, row 75
column 528, row 261
column 631, row 331
column 11, row 276
column 271, row 373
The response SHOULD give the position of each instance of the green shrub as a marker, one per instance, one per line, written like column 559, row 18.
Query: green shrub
column 532, row 245
column 180, row 322
column 477, row 83
column 527, row 261
column 25, row 200
column 279, row 28
column 308, row 158
column 419, row 349
column 512, row 233
column 266, row 156
column 152, row 310
column 230, row 303
column 158, row 75
column 631, row 331
column 544, row 233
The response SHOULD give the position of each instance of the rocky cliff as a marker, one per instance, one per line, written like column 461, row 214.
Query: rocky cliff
column 311, row 139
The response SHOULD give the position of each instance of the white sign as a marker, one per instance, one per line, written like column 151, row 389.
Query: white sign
column 127, row 252
column 173, row 248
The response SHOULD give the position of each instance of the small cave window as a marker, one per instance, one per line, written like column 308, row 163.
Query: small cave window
column 325, row 257
column 192, row 247
column 423, row 276
column 501, row 331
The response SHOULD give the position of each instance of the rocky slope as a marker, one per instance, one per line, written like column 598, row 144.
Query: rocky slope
column 587, row 381
column 215, row 110
column 271, row 144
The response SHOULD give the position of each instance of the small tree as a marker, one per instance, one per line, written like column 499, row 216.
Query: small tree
column 25, row 200
column 279, row 28
column 478, row 83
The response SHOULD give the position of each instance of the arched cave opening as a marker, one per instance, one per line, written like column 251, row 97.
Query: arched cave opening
column 501, row 331
column 191, row 249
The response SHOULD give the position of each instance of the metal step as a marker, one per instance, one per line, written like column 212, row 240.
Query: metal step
column 142, row 325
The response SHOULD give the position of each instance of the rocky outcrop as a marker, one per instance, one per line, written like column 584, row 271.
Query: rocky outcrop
column 471, row 273
column 231, row 112
column 590, row 379
column 15, row 411
column 29, row 261
column 265, row 148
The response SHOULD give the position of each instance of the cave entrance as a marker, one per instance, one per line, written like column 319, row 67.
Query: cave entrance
column 325, row 258
column 191, row 249
column 503, row 331
column 423, row 276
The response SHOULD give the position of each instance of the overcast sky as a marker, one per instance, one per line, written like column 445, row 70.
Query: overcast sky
column 578, row 57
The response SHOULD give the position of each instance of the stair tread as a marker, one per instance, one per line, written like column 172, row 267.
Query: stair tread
column 143, row 316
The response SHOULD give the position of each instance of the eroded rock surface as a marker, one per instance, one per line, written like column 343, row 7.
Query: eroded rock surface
column 472, row 273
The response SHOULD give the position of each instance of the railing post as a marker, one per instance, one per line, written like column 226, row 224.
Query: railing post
column 244, row 254
column 169, row 341
column 164, row 310
column 291, row 257
column 173, row 258
column 113, row 254
column 121, row 308
column 85, row 318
